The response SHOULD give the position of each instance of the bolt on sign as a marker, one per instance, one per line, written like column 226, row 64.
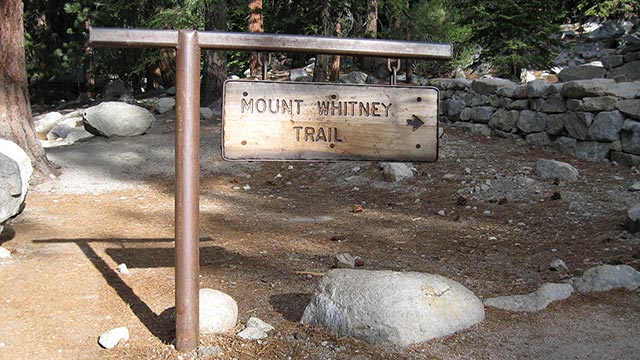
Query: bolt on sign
column 269, row 120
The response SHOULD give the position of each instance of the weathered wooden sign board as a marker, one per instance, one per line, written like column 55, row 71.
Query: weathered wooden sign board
column 265, row 120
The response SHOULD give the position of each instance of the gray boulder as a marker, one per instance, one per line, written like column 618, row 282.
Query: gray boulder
column 566, row 145
column 627, row 72
column 531, row 122
column 392, row 307
column 114, row 90
column 490, row 85
column 607, row 277
column 355, row 77
column 552, row 169
column 163, row 105
column 633, row 218
column 586, row 88
column 296, row 74
column 629, row 107
column 592, row 151
column 606, row 126
column 582, row 72
column 577, row 124
column 630, row 136
column 15, row 172
column 117, row 119
column 504, row 120
column 536, row 301
column 625, row 90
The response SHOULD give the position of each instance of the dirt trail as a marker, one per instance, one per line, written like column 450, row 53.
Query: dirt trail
column 501, row 228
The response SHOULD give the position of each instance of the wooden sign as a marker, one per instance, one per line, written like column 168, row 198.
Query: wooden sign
column 267, row 120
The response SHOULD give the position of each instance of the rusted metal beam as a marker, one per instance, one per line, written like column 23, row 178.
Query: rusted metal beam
column 187, row 205
column 274, row 42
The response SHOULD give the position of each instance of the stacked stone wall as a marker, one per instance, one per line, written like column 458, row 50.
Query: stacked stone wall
column 594, row 120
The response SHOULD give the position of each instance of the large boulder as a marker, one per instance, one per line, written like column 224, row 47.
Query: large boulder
column 552, row 169
column 489, row 86
column 630, row 136
column 607, row 277
column 586, row 88
column 398, row 308
column 117, row 119
column 582, row 72
column 15, row 172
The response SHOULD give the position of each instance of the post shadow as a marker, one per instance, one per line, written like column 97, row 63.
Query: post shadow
column 161, row 326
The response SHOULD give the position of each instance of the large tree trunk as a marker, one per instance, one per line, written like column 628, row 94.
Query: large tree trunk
column 215, row 72
column 371, row 31
column 256, row 24
column 335, row 66
column 321, row 69
column 15, row 107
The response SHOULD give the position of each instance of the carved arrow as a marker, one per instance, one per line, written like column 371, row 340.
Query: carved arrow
column 416, row 122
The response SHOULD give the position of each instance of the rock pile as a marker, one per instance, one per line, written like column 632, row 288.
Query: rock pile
column 593, row 119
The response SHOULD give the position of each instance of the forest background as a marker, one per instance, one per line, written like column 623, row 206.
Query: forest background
column 503, row 36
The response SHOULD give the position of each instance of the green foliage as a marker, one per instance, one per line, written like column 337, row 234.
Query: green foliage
column 610, row 9
column 513, row 35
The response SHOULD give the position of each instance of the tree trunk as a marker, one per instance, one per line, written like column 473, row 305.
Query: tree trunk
column 256, row 24
column 15, row 107
column 215, row 72
column 335, row 67
column 321, row 69
column 371, row 31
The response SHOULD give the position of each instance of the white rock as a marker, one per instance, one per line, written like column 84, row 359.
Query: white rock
column 122, row 268
column 536, row 301
column 218, row 311
column 400, row 308
column 14, row 184
column 113, row 337
column 345, row 260
column 4, row 253
column 252, row 333
column 165, row 104
column 255, row 322
column 635, row 186
column 396, row 172
column 607, row 277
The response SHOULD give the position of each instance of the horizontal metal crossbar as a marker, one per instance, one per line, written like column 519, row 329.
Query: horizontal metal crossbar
column 273, row 42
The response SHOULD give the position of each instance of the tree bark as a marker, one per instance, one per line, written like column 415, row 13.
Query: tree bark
column 15, row 108
column 335, row 66
column 371, row 31
column 256, row 24
column 321, row 69
column 215, row 72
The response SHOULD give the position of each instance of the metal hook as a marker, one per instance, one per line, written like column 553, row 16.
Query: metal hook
column 264, row 66
column 394, row 70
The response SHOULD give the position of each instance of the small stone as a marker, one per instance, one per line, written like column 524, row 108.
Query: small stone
column 113, row 337
column 345, row 261
column 557, row 265
column 209, row 351
column 122, row 268
column 536, row 301
column 246, row 187
column 487, row 212
column 4, row 253
column 259, row 324
column 635, row 186
column 252, row 333
column 442, row 213
column 218, row 311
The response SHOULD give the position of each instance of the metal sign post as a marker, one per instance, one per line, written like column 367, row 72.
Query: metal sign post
column 188, row 45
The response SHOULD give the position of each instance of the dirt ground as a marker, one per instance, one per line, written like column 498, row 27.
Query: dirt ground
column 480, row 215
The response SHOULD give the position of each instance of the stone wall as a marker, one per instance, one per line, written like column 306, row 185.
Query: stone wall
column 593, row 119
